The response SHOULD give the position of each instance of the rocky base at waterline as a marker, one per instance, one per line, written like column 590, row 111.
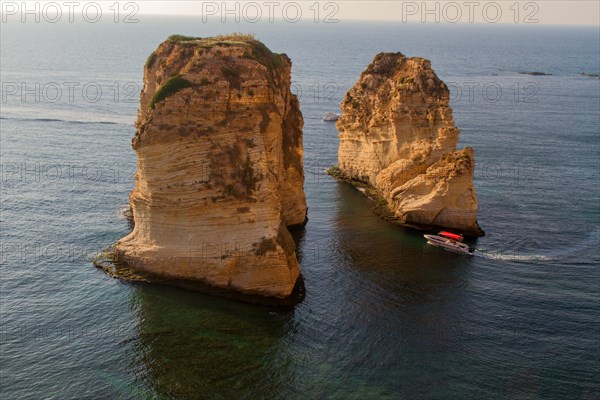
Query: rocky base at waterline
column 220, row 177
column 398, row 138
column 107, row 261
column 383, row 211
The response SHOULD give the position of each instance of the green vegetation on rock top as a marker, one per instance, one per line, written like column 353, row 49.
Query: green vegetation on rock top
column 181, row 38
column 171, row 86
column 235, row 36
column 232, row 37
column 256, row 50
column 150, row 60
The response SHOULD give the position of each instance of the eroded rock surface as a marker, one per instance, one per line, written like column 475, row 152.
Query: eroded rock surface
column 397, row 135
column 220, row 175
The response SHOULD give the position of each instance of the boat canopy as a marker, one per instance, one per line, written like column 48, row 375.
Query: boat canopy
column 450, row 235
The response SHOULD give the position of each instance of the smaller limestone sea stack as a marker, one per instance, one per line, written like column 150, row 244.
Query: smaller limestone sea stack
column 398, row 137
column 220, row 176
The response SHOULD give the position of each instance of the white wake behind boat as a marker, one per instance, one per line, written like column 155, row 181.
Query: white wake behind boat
column 449, row 241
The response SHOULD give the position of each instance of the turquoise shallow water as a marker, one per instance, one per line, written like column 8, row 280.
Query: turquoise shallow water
column 385, row 316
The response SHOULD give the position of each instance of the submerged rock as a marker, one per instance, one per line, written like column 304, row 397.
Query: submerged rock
column 397, row 135
column 220, row 175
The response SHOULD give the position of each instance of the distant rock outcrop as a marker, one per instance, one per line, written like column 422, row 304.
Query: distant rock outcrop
column 397, row 135
column 220, row 175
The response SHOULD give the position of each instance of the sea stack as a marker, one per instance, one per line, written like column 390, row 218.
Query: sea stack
column 398, row 137
column 220, row 176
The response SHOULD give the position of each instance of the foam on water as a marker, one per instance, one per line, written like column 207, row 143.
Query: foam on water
column 568, row 254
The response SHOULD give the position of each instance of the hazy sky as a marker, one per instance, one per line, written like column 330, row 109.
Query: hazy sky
column 499, row 11
column 582, row 12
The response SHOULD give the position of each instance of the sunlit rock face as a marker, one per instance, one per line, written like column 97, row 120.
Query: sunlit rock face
column 220, row 175
column 397, row 135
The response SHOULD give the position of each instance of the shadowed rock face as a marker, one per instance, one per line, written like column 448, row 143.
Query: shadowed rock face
column 397, row 135
column 220, row 176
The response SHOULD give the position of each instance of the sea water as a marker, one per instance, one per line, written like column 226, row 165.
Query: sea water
column 385, row 315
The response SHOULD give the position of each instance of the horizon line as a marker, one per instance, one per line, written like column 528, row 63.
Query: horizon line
column 350, row 19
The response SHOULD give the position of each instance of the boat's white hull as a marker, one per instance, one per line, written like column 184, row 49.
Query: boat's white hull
column 447, row 244
column 331, row 117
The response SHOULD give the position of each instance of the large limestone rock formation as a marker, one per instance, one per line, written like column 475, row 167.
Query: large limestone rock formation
column 220, row 176
column 397, row 135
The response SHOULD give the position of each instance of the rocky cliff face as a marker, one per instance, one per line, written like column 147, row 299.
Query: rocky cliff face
column 220, row 176
column 398, row 136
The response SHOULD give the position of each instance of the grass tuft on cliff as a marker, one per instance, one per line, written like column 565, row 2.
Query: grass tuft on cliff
column 151, row 59
column 181, row 38
column 171, row 86
column 236, row 36
column 208, row 42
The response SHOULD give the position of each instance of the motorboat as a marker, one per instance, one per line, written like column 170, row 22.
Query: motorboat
column 449, row 241
column 331, row 116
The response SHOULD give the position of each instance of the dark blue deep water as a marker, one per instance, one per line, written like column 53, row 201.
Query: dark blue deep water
column 385, row 315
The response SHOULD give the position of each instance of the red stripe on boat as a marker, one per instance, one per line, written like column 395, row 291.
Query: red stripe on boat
column 450, row 235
